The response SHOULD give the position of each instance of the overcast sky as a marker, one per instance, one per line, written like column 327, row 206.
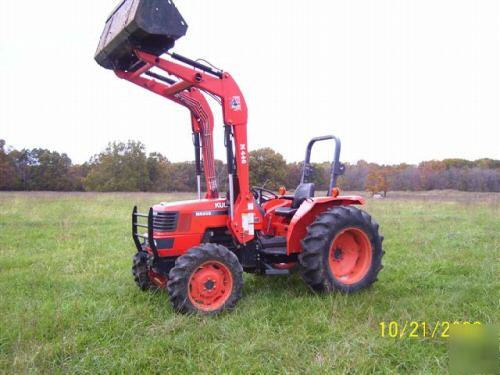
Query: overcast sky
column 397, row 81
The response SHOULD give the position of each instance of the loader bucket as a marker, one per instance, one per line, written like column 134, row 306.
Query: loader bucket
column 152, row 26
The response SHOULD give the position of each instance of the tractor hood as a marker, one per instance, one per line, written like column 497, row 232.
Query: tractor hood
column 189, row 217
column 198, row 207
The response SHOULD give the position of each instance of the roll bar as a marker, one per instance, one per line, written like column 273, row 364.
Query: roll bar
column 336, row 169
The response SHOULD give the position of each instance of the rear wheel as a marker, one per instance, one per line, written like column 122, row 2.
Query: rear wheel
column 208, row 279
column 341, row 251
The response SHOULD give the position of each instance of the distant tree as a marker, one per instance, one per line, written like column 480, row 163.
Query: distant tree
column 49, row 170
column 121, row 167
column 405, row 178
column 321, row 175
column 479, row 179
column 159, row 172
column 457, row 163
column 377, row 180
column 183, row 176
column 22, row 162
column 487, row 163
column 429, row 174
column 8, row 176
column 354, row 176
column 77, row 173
column 221, row 174
column 37, row 169
column 267, row 167
column 126, row 167
column 292, row 175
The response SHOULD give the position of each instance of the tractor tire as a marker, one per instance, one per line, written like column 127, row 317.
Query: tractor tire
column 207, row 280
column 140, row 271
column 342, row 251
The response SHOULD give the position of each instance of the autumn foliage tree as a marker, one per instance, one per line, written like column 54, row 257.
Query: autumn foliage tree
column 377, row 180
column 430, row 174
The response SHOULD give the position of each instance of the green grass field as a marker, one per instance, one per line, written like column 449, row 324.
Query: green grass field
column 68, row 302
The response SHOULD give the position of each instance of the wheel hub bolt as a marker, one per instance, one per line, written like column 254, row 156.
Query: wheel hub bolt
column 337, row 254
column 209, row 284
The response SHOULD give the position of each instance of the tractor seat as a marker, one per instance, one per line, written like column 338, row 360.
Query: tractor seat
column 304, row 191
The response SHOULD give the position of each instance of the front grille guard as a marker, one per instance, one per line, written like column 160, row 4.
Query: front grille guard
column 149, row 226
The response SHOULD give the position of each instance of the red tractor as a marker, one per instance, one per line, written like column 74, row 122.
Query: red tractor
column 198, row 249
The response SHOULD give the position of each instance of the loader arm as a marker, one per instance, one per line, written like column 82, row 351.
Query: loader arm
column 202, row 122
column 186, row 90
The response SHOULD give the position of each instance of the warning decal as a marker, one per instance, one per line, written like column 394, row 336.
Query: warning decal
column 236, row 103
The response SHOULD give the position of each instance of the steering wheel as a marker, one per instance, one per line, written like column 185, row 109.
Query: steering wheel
column 262, row 194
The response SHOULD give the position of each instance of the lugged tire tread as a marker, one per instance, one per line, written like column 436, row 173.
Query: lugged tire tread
column 140, row 271
column 317, row 241
column 186, row 264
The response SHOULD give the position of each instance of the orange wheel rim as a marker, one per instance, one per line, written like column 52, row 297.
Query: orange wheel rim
column 210, row 286
column 350, row 255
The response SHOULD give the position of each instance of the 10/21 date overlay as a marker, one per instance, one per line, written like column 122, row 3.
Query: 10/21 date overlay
column 422, row 329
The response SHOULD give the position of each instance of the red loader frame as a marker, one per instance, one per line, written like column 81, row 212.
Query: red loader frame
column 186, row 91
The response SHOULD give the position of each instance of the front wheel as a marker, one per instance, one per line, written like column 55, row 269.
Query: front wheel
column 341, row 251
column 208, row 279
column 140, row 271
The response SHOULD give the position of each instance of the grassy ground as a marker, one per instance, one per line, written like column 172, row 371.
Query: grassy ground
column 68, row 302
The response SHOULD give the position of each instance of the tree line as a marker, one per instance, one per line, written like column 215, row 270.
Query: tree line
column 125, row 166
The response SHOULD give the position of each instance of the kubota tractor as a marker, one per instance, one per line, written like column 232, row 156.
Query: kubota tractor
column 198, row 249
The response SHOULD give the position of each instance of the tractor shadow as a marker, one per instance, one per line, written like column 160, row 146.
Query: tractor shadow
column 289, row 285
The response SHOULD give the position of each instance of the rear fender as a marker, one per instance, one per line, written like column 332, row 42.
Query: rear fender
column 306, row 214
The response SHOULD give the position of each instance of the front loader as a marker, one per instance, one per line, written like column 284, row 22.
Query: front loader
column 198, row 249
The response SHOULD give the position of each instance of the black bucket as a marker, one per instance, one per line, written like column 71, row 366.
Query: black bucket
column 151, row 26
